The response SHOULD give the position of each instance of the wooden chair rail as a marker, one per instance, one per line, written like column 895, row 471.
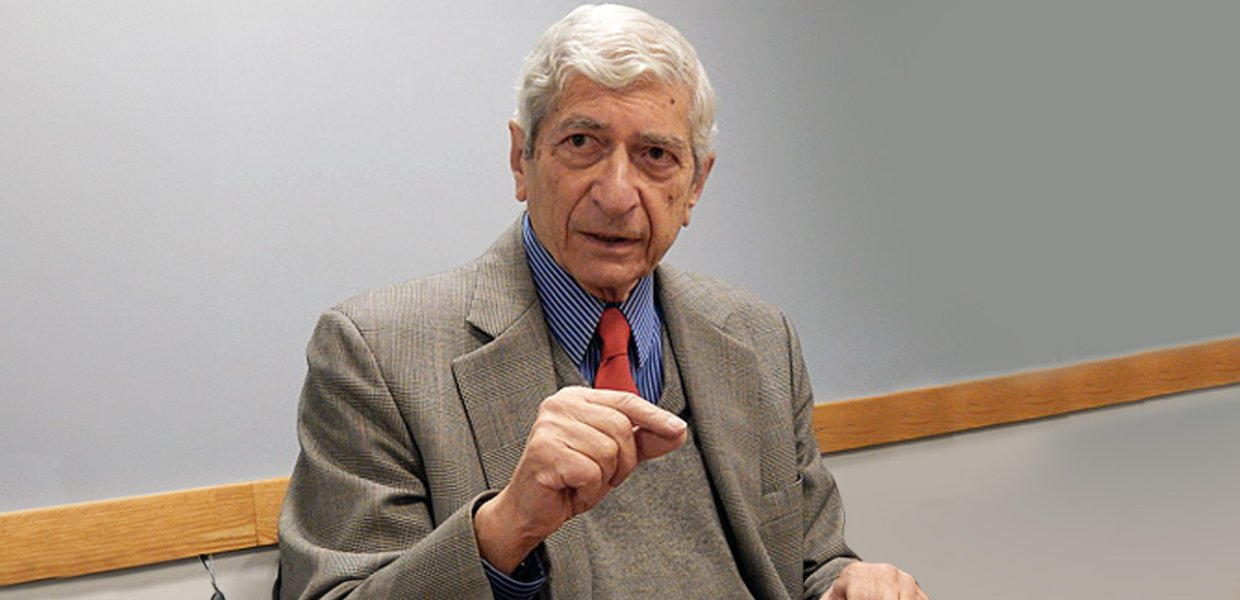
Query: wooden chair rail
column 914, row 414
column 92, row 537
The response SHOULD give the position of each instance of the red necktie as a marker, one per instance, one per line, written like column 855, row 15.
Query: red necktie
column 613, row 368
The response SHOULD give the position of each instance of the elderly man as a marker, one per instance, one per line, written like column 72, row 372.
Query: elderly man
column 565, row 417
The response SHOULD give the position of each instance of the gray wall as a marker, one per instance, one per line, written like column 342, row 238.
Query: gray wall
column 1130, row 502
column 934, row 191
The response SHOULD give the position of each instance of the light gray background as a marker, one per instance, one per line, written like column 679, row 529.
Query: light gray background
column 934, row 191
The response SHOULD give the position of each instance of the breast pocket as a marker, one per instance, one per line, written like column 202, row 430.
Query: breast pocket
column 781, row 502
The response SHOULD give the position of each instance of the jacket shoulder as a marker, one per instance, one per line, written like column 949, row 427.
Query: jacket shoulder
column 442, row 296
column 725, row 304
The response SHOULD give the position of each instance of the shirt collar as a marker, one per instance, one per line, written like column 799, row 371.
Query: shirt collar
column 573, row 314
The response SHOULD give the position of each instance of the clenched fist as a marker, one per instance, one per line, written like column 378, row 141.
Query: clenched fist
column 584, row 443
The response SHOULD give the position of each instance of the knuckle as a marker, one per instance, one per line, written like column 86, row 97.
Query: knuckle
column 573, row 475
column 619, row 426
column 549, row 404
column 612, row 447
column 540, row 434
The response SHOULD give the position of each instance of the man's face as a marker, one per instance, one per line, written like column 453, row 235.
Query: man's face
column 611, row 180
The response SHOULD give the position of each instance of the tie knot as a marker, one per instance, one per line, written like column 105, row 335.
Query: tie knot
column 613, row 329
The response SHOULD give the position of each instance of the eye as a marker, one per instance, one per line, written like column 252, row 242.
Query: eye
column 581, row 143
column 661, row 157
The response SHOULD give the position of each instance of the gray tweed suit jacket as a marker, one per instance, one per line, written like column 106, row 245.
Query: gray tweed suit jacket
column 419, row 397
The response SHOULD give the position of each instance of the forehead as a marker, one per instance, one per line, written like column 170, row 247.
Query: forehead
column 645, row 105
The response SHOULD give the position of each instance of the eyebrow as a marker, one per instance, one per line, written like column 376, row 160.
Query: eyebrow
column 580, row 123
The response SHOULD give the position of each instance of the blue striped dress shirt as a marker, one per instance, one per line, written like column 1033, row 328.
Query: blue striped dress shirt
column 573, row 316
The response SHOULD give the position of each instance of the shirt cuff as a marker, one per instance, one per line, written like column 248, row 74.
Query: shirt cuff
column 524, row 582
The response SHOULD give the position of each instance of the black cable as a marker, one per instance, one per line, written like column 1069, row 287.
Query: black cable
column 206, row 562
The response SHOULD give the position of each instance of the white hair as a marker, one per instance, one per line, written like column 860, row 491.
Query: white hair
column 613, row 46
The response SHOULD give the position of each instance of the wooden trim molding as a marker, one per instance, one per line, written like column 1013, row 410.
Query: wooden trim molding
column 915, row 414
column 92, row 537
column 79, row 539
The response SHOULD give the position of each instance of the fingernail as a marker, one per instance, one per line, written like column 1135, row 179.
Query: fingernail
column 676, row 422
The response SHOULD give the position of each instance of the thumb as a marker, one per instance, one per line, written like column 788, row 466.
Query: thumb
column 652, row 445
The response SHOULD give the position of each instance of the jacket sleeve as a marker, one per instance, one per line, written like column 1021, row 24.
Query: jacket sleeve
column 357, row 519
column 826, row 553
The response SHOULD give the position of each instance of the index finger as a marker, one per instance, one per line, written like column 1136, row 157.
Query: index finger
column 640, row 412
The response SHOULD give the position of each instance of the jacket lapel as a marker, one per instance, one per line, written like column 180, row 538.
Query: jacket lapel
column 501, row 386
column 720, row 381
column 503, row 382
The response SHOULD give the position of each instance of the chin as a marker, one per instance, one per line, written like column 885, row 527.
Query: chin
column 608, row 287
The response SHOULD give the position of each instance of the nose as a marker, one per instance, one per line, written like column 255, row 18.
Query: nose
column 616, row 190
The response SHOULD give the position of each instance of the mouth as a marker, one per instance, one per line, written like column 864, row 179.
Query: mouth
column 611, row 240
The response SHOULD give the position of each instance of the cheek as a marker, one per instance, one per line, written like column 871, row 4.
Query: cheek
column 665, row 229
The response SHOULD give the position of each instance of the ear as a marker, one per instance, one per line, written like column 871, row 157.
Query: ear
column 698, row 185
column 516, row 158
